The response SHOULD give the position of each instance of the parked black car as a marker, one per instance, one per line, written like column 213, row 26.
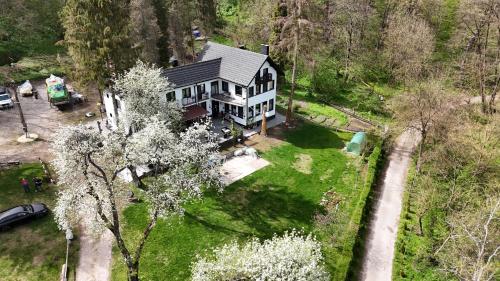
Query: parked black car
column 21, row 213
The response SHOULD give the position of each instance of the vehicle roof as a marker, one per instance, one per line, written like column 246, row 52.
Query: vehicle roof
column 11, row 211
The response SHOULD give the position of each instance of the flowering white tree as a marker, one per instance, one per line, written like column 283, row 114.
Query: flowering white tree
column 290, row 257
column 88, row 163
column 143, row 89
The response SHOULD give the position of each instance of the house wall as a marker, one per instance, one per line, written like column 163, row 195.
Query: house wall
column 263, row 97
column 179, row 98
column 109, row 107
column 247, row 102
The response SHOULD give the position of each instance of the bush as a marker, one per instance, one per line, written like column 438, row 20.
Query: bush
column 291, row 256
column 328, row 80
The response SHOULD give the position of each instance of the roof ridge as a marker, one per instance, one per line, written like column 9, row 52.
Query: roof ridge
column 236, row 48
column 191, row 64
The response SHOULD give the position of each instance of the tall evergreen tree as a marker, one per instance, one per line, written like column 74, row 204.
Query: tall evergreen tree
column 97, row 37
column 145, row 30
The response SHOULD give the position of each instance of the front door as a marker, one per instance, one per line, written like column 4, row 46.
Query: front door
column 214, row 87
column 215, row 108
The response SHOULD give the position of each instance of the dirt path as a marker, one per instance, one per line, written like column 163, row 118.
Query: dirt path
column 94, row 261
column 377, row 263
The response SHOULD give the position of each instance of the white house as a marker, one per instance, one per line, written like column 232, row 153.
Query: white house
column 225, row 82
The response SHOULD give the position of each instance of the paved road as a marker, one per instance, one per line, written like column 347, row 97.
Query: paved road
column 94, row 260
column 377, row 263
column 379, row 253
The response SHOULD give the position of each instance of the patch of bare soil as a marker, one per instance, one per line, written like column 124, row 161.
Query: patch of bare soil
column 326, row 175
column 303, row 163
column 41, row 119
column 274, row 138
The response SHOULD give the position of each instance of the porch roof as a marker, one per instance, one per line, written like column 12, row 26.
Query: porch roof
column 194, row 112
column 227, row 99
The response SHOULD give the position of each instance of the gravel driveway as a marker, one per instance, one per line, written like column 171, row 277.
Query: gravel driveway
column 42, row 120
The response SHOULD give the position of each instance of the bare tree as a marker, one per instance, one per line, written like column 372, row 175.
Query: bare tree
column 480, row 63
column 409, row 44
column 423, row 110
column 471, row 249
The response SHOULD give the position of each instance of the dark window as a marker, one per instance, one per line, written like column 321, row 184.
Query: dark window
column 264, row 106
column 264, row 74
column 250, row 92
column 186, row 92
column 200, row 89
column 270, row 85
column 226, row 108
column 203, row 105
column 240, row 111
column 250, row 112
column 237, row 90
column 170, row 96
column 107, row 95
column 257, row 88
column 214, row 87
column 257, row 109
column 264, row 87
column 271, row 105
column 233, row 109
column 225, row 86
column 111, row 115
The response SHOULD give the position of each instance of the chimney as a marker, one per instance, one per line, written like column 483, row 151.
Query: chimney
column 264, row 49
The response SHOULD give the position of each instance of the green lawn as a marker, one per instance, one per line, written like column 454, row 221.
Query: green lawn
column 280, row 197
column 310, row 106
column 35, row 250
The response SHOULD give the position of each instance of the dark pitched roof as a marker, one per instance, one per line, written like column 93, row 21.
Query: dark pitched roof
column 238, row 65
column 193, row 73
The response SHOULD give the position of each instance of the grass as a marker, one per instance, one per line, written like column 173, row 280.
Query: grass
column 411, row 260
column 35, row 68
column 368, row 101
column 272, row 200
column 35, row 250
column 307, row 105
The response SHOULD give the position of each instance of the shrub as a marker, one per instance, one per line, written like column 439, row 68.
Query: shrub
column 328, row 80
column 290, row 257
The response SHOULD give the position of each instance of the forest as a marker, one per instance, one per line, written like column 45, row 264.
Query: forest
column 398, row 63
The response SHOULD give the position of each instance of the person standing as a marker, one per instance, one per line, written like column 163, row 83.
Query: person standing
column 38, row 184
column 25, row 184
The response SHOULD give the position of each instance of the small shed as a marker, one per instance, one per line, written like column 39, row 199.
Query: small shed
column 357, row 143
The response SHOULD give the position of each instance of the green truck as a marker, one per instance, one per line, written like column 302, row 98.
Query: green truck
column 57, row 92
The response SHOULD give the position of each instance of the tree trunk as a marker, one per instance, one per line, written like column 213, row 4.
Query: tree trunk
column 420, row 224
column 135, row 178
column 133, row 272
column 294, row 73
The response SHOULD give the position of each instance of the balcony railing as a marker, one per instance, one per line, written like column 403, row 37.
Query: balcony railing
column 202, row 96
column 188, row 101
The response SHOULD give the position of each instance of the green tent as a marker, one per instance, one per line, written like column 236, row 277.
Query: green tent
column 357, row 143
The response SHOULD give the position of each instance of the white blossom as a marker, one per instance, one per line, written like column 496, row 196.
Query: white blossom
column 143, row 90
column 290, row 257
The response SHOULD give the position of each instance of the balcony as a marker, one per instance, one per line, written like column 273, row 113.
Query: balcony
column 203, row 96
column 188, row 101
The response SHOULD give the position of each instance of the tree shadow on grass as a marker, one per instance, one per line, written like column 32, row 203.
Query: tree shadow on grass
column 311, row 136
column 264, row 210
